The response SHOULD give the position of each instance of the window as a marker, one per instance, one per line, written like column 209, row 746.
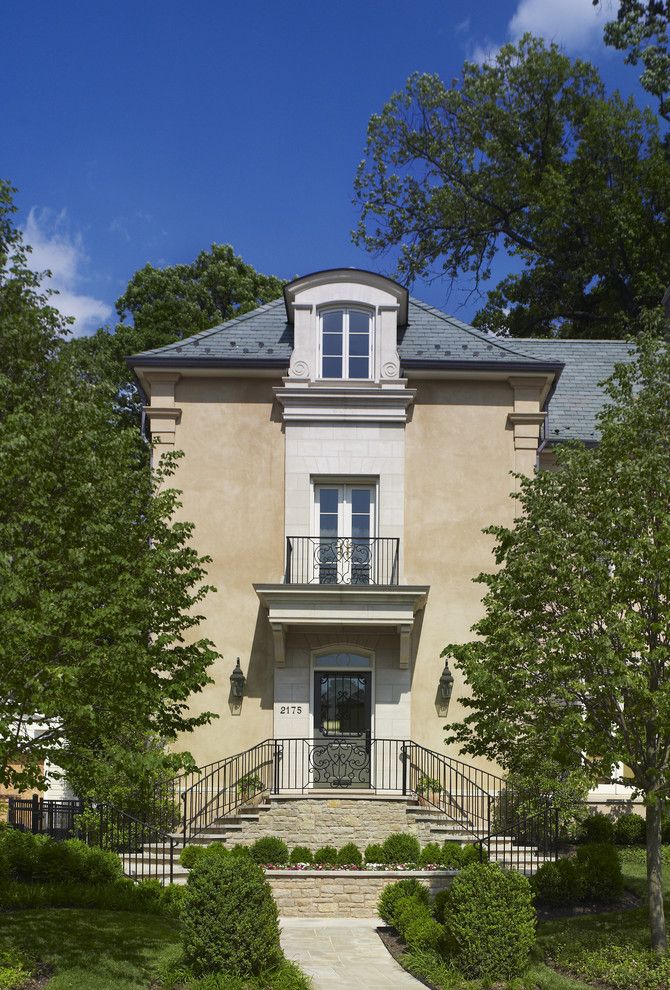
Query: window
column 346, row 343
column 346, row 519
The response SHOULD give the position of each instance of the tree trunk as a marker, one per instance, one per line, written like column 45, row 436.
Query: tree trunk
column 659, row 938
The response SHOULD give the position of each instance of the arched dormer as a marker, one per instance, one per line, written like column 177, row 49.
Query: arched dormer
column 345, row 324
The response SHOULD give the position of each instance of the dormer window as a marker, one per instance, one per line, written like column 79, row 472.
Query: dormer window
column 346, row 343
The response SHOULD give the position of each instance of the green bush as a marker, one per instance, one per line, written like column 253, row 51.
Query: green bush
column 271, row 850
column 630, row 830
column 402, row 847
column 424, row 934
column 374, row 853
column 597, row 828
column 452, row 855
column 439, row 902
column 239, row 850
column 325, row 856
column 190, row 855
column 301, row 854
column 431, row 854
column 229, row 921
column 393, row 892
column 560, row 884
column 601, row 868
column 407, row 910
column 490, row 922
column 38, row 858
column 471, row 853
column 349, row 855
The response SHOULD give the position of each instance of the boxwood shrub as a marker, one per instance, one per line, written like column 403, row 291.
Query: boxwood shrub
column 190, row 855
column 325, row 856
column 439, row 904
column 402, row 847
column 424, row 933
column 301, row 854
column 32, row 858
column 560, row 884
column 597, row 828
column 349, row 855
column 393, row 892
column 229, row 921
column 431, row 854
column 600, row 866
column 374, row 853
column 270, row 850
column 630, row 830
column 490, row 922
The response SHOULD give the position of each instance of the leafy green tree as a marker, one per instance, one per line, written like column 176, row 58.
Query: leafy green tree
column 169, row 304
column 573, row 655
column 527, row 155
column 99, row 585
column 641, row 30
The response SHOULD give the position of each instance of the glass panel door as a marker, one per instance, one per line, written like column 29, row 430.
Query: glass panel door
column 346, row 517
column 342, row 729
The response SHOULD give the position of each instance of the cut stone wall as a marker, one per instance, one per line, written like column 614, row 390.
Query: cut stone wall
column 315, row 822
column 340, row 894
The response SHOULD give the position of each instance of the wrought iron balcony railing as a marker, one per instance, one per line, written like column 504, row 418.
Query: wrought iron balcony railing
column 342, row 560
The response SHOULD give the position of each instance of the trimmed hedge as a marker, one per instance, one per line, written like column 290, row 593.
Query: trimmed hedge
column 32, row 858
column 229, row 920
column 349, row 855
column 402, row 847
column 190, row 855
column 431, row 854
column 560, row 884
column 597, row 828
column 601, row 868
column 374, row 853
column 490, row 922
column 269, row 850
column 394, row 892
column 325, row 856
column 630, row 830
column 301, row 854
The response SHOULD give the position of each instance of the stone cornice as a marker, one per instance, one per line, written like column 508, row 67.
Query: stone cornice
column 387, row 402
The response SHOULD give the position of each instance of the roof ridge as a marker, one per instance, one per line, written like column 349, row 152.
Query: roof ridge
column 488, row 339
column 234, row 321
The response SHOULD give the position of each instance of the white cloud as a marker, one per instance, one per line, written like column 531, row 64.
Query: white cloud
column 56, row 248
column 576, row 24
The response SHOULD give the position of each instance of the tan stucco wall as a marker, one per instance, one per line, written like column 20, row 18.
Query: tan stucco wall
column 459, row 452
column 232, row 479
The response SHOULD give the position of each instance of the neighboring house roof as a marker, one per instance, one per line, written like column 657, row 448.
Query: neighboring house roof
column 578, row 398
column 431, row 339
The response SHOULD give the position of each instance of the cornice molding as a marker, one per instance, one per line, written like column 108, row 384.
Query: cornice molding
column 387, row 402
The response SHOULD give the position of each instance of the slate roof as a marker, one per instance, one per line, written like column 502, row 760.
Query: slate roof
column 578, row 398
column 431, row 339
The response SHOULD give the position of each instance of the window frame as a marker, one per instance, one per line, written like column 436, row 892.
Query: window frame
column 345, row 309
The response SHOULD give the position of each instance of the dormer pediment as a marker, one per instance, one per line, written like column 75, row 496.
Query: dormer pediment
column 345, row 324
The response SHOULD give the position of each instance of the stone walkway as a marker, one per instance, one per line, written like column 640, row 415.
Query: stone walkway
column 339, row 953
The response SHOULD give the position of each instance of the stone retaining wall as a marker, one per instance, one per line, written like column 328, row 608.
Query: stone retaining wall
column 315, row 822
column 341, row 893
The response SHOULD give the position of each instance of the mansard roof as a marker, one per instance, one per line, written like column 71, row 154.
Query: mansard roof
column 430, row 341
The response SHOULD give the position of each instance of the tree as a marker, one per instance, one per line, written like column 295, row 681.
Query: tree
column 99, row 584
column 169, row 304
column 526, row 155
column 641, row 29
column 574, row 650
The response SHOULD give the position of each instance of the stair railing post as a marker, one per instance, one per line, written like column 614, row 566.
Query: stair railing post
column 275, row 785
column 404, row 768
column 183, row 817
column 171, row 860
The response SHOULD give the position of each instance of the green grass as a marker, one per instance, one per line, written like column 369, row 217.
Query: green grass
column 90, row 950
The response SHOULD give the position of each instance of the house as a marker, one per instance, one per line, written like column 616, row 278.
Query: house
column 344, row 447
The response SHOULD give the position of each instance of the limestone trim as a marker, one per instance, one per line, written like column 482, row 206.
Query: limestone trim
column 162, row 414
column 387, row 402
column 526, row 419
column 328, row 605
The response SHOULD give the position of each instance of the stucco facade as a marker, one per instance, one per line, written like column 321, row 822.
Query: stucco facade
column 349, row 421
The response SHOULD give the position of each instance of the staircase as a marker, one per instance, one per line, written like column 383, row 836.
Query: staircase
column 269, row 790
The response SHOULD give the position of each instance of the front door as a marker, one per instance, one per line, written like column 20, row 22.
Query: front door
column 342, row 728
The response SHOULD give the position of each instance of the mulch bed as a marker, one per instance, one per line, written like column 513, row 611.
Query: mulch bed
column 628, row 902
column 40, row 979
column 396, row 946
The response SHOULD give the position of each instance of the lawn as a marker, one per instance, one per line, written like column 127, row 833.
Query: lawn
column 88, row 949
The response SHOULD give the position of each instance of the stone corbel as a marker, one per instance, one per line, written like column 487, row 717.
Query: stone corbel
column 279, row 639
column 405, row 632
column 526, row 420
column 163, row 423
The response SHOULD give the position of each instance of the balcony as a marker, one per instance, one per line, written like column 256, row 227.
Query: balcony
column 342, row 561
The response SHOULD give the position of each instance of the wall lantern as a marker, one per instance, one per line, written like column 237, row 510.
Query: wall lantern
column 237, row 684
column 444, row 690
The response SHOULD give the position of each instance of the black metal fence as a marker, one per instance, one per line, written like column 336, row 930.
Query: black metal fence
column 41, row 815
column 342, row 560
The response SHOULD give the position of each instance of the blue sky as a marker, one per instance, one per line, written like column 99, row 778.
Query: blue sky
column 144, row 131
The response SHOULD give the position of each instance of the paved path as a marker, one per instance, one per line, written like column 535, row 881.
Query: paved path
column 339, row 953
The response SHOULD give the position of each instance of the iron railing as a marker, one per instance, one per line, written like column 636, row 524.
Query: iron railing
column 45, row 816
column 145, row 850
column 527, row 841
column 342, row 560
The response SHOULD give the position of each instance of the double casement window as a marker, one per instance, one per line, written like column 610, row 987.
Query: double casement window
column 346, row 520
column 346, row 343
